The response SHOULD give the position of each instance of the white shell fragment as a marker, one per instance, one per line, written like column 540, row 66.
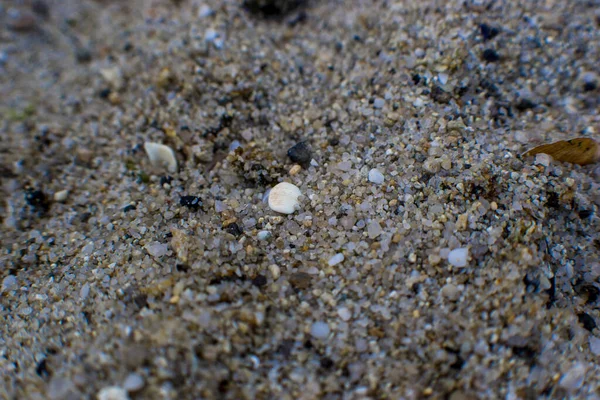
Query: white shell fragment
column 161, row 156
column 283, row 198
column 458, row 257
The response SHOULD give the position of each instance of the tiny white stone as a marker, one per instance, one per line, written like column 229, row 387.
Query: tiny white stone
column 156, row 249
column 374, row 229
column 85, row 291
column 595, row 345
column 344, row 313
column 161, row 156
column 61, row 196
column 574, row 377
column 133, row 383
column 336, row 259
column 375, row 176
column 458, row 257
column 319, row 330
column 9, row 282
column 112, row 393
column 378, row 103
column 283, row 198
column 443, row 78
column 275, row 271
column 263, row 235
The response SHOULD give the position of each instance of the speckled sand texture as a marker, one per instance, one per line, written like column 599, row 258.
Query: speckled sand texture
column 401, row 122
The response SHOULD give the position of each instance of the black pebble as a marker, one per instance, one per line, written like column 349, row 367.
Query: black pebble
column 37, row 199
column 42, row 369
column 259, row 281
column 525, row 104
column 182, row 267
column 234, row 229
column 191, row 202
column 590, row 86
column 440, row 95
column 104, row 93
column 326, row 362
column 129, row 207
column 165, row 180
column 334, row 141
column 490, row 55
column 300, row 154
column 583, row 214
column 587, row 321
column 488, row 32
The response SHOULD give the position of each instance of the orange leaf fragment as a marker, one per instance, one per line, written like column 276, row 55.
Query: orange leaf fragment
column 580, row 151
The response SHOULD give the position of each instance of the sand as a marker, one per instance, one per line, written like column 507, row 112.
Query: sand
column 426, row 258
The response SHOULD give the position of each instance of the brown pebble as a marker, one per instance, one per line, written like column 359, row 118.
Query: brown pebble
column 300, row 280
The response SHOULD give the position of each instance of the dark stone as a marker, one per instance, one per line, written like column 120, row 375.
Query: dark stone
column 488, row 32
column 104, row 93
column 490, row 55
column 326, row 363
column 37, row 200
column 83, row 55
column 191, row 202
column 129, row 207
column 182, row 267
column 590, row 86
column 234, row 229
column 416, row 78
column 42, row 369
column 300, row 280
column 141, row 301
column 587, row 321
column 165, row 180
column 553, row 201
column 334, row 141
column 259, row 281
column 525, row 104
column 589, row 291
column 584, row 214
column 40, row 7
column 300, row 154
column 274, row 9
column 440, row 95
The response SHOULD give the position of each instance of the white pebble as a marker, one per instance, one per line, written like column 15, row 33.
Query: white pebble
column 156, row 249
column 375, row 176
column 443, row 78
column 543, row 159
column 451, row 292
column 112, row 393
column 378, row 103
column 275, row 271
column 283, row 198
column 133, row 383
column 574, row 377
column 61, row 196
column 595, row 345
column 344, row 313
column 9, row 282
column 263, row 235
column 319, row 330
column 161, row 156
column 336, row 259
column 458, row 257
column 85, row 291
column 374, row 229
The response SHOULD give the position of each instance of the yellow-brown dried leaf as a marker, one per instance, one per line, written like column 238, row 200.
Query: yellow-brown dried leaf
column 580, row 151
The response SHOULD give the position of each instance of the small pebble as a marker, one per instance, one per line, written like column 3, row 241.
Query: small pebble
column 9, row 283
column 112, row 393
column 283, row 198
column 319, row 330
column 375, row 176
column 344, row 313
column 378, row 103
column 161, row 156
column 490, row 55
column 595, row 345
column 264, row 235
column 133, row 383
column 300, row 154
column 61, row 196
column 336, row 259
column 450, row 292
column 374, row 229
column 295, row 169
column 458, row 257
column 275, row 271
column 573, row 378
